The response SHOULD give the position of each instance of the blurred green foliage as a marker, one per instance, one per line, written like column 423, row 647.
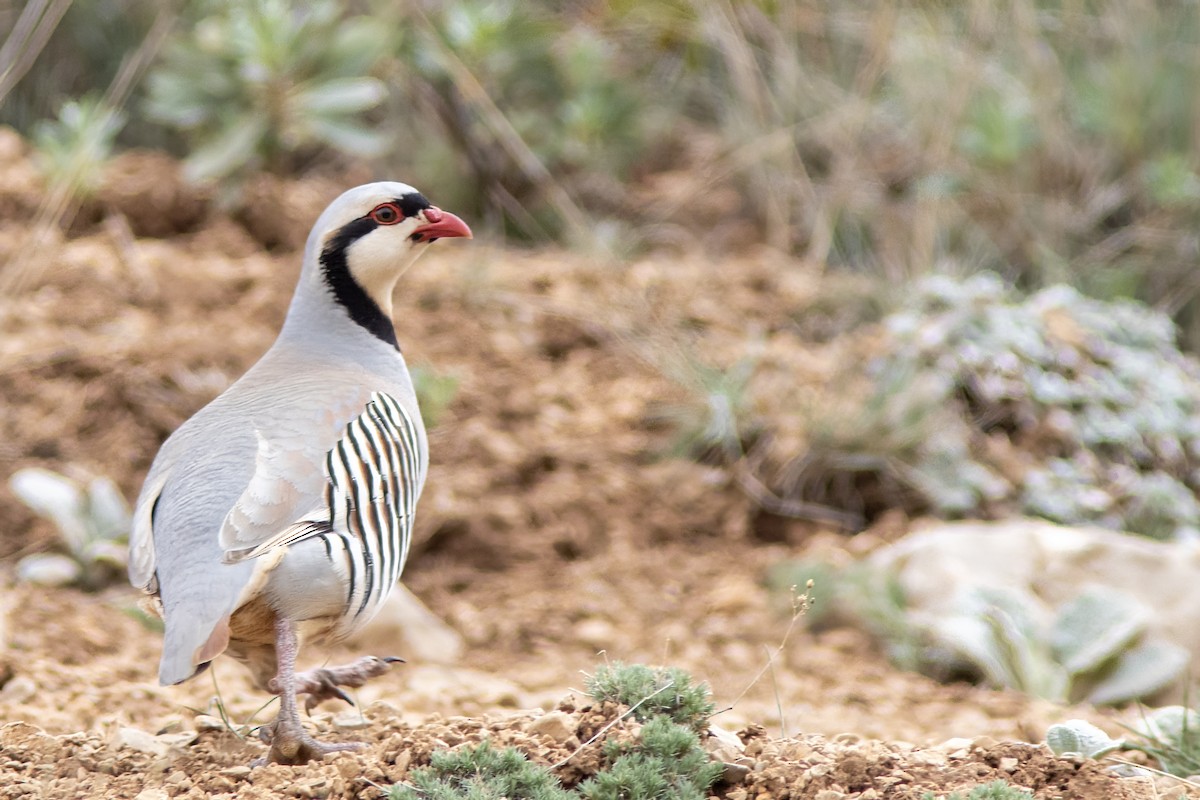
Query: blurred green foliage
column 1048, row 142
column 986, row 403
column 266, row 83
column 73, row 148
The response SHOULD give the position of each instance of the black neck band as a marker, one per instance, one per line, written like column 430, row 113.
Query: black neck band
column 358, row 304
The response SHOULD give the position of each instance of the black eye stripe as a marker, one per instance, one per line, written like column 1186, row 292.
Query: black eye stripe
column 411, row 204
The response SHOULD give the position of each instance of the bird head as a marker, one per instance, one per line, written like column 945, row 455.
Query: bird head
column 369, row 236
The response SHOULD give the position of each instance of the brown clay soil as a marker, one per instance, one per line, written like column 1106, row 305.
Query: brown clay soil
column 552, row 535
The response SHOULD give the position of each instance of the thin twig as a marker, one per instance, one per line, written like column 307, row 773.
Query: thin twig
column 753, row 486
column 799, row 606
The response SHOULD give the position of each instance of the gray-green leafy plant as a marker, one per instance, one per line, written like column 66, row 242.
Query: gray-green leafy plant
column 1170, row 735
column 717, row 420
column 1094, row 648
column 1095, row 397
column 73, row 149
column 996, row 790
column 92, row 520
column 260, row 85
column 666, row 763
column 480, row 772
column 653, row 692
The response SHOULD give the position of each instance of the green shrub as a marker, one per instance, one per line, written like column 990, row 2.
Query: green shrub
column 996, row 790
column 92, row 520
column 653, row 692
column 261, row 85
column 480, row 773
column 666, row 763
column 1094, row 395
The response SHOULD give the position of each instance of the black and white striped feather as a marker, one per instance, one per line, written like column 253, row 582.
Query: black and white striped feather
column 374, row 474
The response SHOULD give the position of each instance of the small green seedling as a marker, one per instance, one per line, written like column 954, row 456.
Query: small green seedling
column 1170, row 735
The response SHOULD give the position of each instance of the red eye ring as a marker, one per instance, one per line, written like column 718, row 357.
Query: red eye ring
column 386, row 214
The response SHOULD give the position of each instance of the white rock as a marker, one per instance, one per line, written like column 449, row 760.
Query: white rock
column 934, row 566
column 19, row 689
column 558, row 725
column 597, row 633
column 406, row 628
column 351, row 720
column 127, row 738
column 723, row 745
column 152, row 794
column 954, row 745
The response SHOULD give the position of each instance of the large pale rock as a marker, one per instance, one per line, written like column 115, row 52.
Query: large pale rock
column 935, row 565
column 405, row 627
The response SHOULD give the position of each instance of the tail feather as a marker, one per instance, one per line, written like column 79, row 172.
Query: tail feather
column 180, row 661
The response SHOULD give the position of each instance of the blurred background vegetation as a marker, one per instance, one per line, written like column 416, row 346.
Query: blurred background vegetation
column 1047, row 141
column 1051, row 149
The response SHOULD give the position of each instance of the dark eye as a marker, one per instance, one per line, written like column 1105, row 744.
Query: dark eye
column 386, row 214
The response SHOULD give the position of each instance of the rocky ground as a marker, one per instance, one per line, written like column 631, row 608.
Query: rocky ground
column 553, row 534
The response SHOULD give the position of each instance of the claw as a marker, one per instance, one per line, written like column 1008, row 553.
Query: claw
column 393, row 660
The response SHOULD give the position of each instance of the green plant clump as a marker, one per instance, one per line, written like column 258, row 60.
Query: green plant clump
column 253, row 85
column 73, row 149
column 1093, row 648
column 666, row 763
column 480, row 773
column 653, row 692
column 1059, row 406
column 996, row 790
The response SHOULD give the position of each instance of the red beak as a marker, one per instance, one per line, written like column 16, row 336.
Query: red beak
column 440, row 225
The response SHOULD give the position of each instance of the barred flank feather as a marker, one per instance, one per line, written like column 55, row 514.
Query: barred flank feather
column 376, row 471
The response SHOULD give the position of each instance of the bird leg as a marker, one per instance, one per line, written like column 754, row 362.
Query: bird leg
column 325, row 683
column 290, row 742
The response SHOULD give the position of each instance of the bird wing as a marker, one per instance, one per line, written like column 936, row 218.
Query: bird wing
column 373, row 477
column 142, row 562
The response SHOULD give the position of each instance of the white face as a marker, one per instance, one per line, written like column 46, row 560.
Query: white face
column 378, row 259
column 387, row 226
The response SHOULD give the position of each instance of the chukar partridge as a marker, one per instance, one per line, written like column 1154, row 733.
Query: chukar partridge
column 282, row 510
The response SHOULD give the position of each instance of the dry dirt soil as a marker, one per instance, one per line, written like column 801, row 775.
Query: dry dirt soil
column 553, row 534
